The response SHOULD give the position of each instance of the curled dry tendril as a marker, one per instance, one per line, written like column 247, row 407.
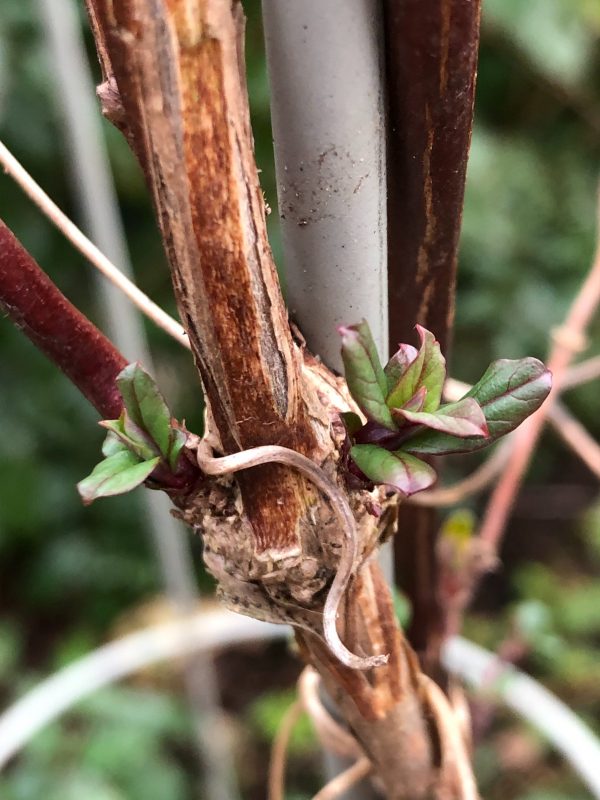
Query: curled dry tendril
column 255, row 456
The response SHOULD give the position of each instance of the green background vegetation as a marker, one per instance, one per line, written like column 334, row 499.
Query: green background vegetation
column 68, row 574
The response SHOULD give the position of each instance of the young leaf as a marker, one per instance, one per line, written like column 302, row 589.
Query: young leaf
column 178, row 440
column 130, row 435
column 508, row 393
column 416, row 402
column 145, row 405
column 427, row 370
column 352, row 422
column 399, row 363
column 112, row 444
column 364, row 373
column 117, row 474
column 464, row 418
column 399, row 470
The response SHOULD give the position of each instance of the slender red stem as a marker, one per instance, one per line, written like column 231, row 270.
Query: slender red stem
column 72, row 342
column 57, row 328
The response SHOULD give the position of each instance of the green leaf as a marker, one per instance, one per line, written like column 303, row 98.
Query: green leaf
column 399, row 363
column 146, row 405
column 427, row 370
column 399, row 470
column 352, row 422
column 364, row 373
column 112, row 444
column 416, row 402
column 131, row 436
column 178, row 440
column 508, row 393
column 464, row 418
column 459, row 527
column 117, row 474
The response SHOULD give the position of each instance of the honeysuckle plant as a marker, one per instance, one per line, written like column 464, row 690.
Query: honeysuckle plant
column 142, row 438
column 405, row 416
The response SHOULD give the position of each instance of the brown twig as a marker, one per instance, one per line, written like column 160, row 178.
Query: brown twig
column 331, row 734
column 431, row 65
column 575, row 435
column 79, row 240
column 583, row 372
column 345, row 780
column 568, row 340
column 276, row 780
column 453, row 747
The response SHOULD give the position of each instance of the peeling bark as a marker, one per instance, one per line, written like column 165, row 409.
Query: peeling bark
column 431, row 67
column 178, row 70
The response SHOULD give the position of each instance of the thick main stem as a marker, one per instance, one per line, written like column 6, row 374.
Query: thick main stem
column 178, row 70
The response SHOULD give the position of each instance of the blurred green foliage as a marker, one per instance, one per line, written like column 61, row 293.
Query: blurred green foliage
column 267, row 712
column 119, row 745
column 68, row 572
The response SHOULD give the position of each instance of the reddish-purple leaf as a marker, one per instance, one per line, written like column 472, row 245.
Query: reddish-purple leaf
column 400, row 470
column 428, row 369
column 416, row 402
column 364, row 374
column 461, row 419
column 508, row 393
column 399, row 363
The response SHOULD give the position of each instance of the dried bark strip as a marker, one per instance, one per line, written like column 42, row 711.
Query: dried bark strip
column 178, row 69
column 431, row 55
column 431, row 63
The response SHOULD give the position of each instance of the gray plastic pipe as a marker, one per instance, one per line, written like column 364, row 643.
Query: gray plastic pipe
column 327, row 110
column 325, row 63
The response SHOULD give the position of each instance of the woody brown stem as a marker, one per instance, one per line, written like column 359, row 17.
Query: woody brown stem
column 431, row 65
column 178, row 69
column 385, row 707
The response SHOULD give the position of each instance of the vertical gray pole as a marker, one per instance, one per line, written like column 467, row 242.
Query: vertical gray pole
column 325, row 62
column 325, row 65
column 95, row 192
